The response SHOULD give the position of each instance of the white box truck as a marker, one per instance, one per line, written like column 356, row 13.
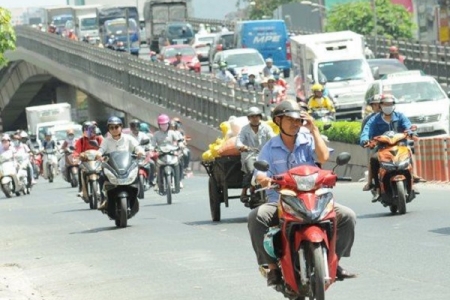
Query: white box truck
column 43, row 117
column 85, row 22
column 339, row 58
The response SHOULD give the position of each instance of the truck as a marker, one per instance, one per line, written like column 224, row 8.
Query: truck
column 44, row 117
column 85, row 22
column 338, row 59
column 105, row 17
column 58, row 16
column 157, row 13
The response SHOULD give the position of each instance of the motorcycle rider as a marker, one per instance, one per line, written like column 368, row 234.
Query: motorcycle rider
column 82, row 145
column 269, row 69
column 253, row 135
column 33, row 143
column 6, row 145
column 394, row 54
column 179, row 63
column 290, row 149
column 387, row 120
column 177, row 126
column 146, row 130
column 22, row 150
column 118, row 141
column 166, row 136
column 272, row 93
column 224, row 74
column 135, row 126
column 319, row 101
column 68, row 142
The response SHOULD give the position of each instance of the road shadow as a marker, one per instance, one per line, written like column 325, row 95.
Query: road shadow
column 159, row 204
column 223, row 221
column 96, row 230
column 73, row 210
column 376, row 215
column 442, row 231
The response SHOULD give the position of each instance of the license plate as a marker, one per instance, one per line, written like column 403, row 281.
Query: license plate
column 425, row 129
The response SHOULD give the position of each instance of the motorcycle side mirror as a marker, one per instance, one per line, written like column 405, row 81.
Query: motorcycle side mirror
column 261, row 165
column 71, row 147
column 343, row 158
column 93, row 143
column 144, row 142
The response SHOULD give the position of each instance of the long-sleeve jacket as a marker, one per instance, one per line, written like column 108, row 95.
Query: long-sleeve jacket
column 376, row 126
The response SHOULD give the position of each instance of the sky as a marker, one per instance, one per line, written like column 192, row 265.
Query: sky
column 202, row 8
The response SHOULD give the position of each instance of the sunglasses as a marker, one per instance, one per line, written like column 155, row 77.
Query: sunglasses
column 113, row 127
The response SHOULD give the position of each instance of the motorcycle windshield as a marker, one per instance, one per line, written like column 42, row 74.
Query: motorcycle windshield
column 166, row 148
column 120, row 161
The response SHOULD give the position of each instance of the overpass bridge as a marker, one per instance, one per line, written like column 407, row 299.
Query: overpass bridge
column 46, row 68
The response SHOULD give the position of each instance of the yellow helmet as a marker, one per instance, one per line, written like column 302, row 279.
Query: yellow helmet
column 317, row 87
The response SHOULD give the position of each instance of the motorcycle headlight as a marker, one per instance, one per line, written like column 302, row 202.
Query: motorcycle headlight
column 305, row 183
column 296, row 207
column 404, row 164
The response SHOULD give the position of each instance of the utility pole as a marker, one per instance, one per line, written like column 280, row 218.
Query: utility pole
column 127, row 17
column 375, row 21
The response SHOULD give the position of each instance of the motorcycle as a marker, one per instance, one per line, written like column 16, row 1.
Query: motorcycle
column 395, row 173
column 305, row 241
column 323, row 115
column 121, row 188
column 70, row 173
column 12, row 182
column 91, row 170
column 144, row 166
column 50, row 164
column 36, row 162
column 169, row 170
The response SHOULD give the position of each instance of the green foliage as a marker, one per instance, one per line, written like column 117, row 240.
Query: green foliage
column 7, row 36
column 393, row 21
column 342, row 131
column 262, row 7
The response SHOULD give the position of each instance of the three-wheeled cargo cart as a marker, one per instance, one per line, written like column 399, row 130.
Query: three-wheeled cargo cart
column 225, row 173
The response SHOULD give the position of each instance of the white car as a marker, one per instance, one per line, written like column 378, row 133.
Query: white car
column 420, row 98
column 202, row 43
column 248, row 60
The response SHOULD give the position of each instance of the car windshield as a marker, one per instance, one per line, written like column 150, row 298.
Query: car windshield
column 89, row 24
column 118, row 27
column 388, row 68
column 182, row 31
column 171, row 52
column 344, row 70
column 415, row 91
column 61, row 21
column 240, row 60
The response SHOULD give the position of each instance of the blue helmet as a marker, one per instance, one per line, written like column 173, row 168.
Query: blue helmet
column 144, row 128
column 114, row 121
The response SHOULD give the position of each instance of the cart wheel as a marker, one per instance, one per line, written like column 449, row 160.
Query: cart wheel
column 214, row 200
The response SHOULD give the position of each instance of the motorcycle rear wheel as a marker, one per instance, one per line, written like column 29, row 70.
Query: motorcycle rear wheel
column 73, row 179
column 401, row 197
column 167, row 179
column 7, row 190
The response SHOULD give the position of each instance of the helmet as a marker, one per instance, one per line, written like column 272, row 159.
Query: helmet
column 163, row 119
column 317, row 87
column 92, row 131
column 33, row 136
column 222, row 64
column 393, row 49
column 135, row 123
column 98, row 131
column 254, row 111
column 6, row 137
column 375, row 99
column 86, row 125
column 174, row 124
column 323, row 81
column 287, row 108
column 176, row 120
column 70, row 131
column 48, row 133
column 114, row 121
column 23, row 135
column 144, row 128
column 388, row 99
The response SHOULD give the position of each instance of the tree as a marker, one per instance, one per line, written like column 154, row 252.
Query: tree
column 7, row 36
column 393, row 21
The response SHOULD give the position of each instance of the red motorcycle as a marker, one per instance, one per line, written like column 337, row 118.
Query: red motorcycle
column 36, row 164
column 305, row 241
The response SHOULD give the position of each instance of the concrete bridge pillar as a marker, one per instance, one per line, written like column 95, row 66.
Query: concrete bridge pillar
column 99, row 112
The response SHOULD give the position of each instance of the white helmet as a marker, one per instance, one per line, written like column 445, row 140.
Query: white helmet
column 23, row 135
column 6, row 137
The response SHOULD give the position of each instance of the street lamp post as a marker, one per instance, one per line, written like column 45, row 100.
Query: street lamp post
column 375, row 21
column 322, row 8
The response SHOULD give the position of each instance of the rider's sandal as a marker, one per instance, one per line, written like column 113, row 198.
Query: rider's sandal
column 368, row 187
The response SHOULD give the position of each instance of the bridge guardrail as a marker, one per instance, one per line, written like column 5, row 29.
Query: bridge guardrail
column 201, row 98
column 433, row 59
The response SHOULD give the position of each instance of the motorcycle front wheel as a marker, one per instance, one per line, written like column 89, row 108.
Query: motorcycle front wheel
column 7, row 190
column 73, row 179
column 122, row 213
column 168, row 184
column 50, row 173
column 401, row 197
column 318, row 271
column 141, row 187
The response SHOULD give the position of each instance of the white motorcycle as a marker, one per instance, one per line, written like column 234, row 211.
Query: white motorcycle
column 50, row 164
column 12, row 182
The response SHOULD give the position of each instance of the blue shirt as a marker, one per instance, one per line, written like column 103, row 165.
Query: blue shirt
column 376, row 126
column 280, row 159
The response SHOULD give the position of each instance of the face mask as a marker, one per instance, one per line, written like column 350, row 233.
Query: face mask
column 387, row 110
column 16, row 143
column 71, row 137
column 164, row 127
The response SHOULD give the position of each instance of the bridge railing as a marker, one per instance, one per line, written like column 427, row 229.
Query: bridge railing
column 433, row 59
column 201, row 98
